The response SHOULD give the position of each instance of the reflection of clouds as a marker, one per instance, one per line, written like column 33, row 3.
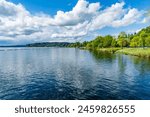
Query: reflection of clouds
column 131, row 72
column 70, row 68
column 70, row 71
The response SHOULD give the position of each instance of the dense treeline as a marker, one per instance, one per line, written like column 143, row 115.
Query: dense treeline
column 50, row 44
column 140, row 39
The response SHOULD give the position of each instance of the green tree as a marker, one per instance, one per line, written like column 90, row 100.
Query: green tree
column 147, row 41
column 122, row 39
column 114, row 43
column 77, row 44
column 107, row 41
column 122, row 43
column 84, row 44
column 98, row 42
column 142, row 38
column 89, row 45
column 134, row 42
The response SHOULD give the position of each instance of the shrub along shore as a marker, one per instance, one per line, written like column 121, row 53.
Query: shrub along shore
column 132, row 44
column 140, row 52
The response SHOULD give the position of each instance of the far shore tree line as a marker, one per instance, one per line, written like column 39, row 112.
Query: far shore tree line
column 140, row 39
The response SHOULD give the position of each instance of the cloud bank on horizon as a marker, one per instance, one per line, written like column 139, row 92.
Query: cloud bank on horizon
column 18, row 25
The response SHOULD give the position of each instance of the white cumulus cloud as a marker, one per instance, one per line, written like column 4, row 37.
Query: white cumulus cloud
column 129, row 18
column 20, row 26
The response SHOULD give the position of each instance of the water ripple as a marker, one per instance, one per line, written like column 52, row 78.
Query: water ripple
column 63, row 73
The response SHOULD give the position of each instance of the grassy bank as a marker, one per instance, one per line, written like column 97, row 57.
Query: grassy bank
column 111, row 50
column 140, row 52
column 136, row 52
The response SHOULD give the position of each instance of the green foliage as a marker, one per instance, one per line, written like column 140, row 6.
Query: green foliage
column 84, row 44
column 122, row 40
column 140, row 39
column 136, row 52
column 134, row 42
column 147, row 41
column 114, row 43
column 98, row 42
column 107, row 41
column 122, row 35
column 49, row 44
column 89, row 45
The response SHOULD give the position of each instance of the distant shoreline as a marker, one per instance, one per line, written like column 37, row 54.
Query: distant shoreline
column 13, row 46
column 140, row 52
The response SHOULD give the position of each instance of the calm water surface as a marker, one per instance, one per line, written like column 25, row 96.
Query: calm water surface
column 64, row 73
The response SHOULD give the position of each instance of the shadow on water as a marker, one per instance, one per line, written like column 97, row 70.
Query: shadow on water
column 143, row 64
column 99, row 55
column 130, row 76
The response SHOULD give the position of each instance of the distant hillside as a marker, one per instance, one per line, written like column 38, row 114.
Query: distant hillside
column 49, row 44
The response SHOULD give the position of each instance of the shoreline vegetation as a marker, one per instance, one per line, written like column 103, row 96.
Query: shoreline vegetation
column 137, row 44
column 139, row 52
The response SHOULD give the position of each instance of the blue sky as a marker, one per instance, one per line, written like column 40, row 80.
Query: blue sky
column 29, row 21
column 52, row 6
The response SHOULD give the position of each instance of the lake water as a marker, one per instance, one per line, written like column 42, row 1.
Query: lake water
column 68, row 73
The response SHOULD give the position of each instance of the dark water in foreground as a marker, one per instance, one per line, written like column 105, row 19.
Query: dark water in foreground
column 63, row 73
